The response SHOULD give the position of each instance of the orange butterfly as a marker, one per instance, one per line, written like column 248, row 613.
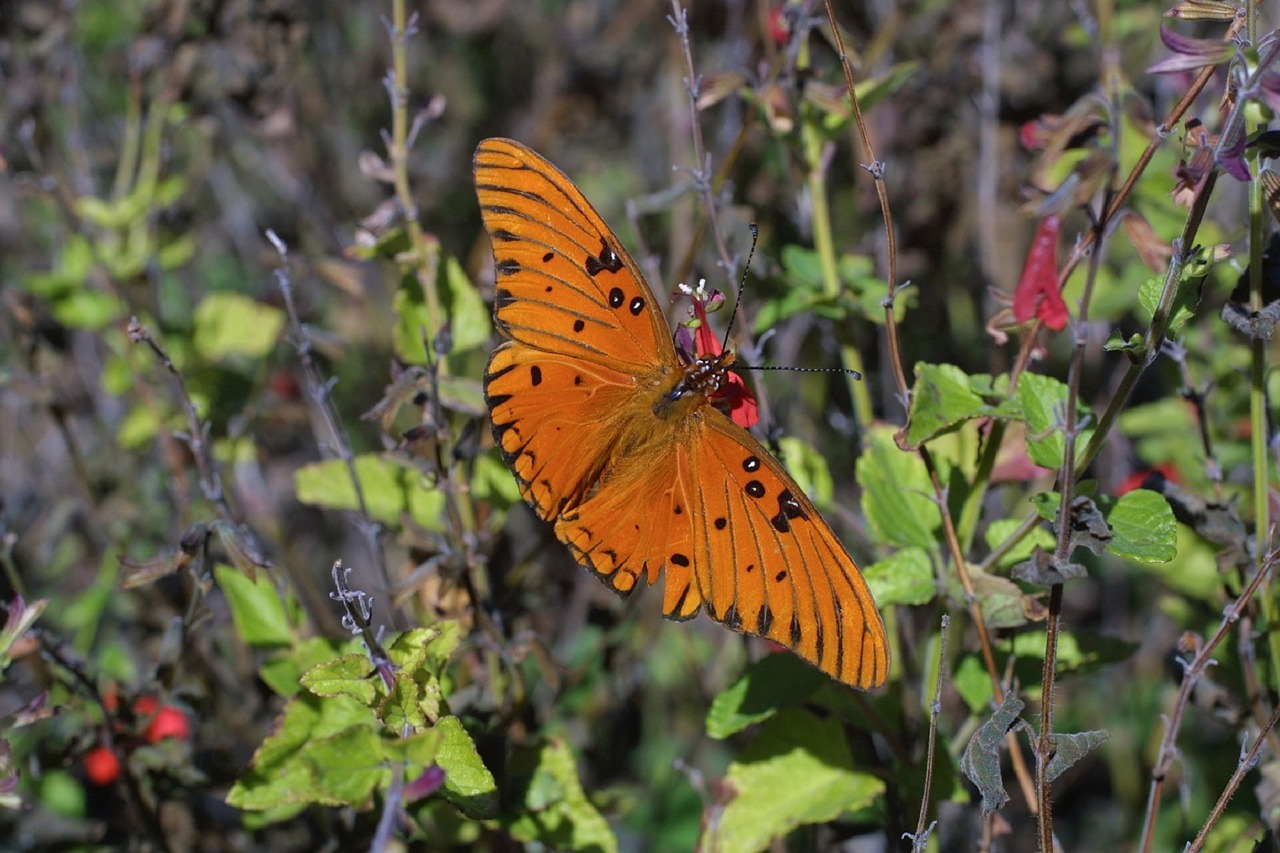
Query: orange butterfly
column 615, row 438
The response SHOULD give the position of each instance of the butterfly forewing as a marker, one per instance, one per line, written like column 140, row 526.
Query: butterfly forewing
column 564, row 282
column 542, row 403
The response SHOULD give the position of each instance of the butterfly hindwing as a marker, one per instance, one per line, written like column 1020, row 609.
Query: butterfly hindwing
column 637, row 525
column 564, row 283
column 539, row 404
column 768, row 564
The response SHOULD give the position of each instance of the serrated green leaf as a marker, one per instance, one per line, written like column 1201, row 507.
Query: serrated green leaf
column 348, row 675
column 1142, row 527
column 256, row 609
column 943, row 397
column 283, row 671
column 280, row 773
column 1043, row 400
column 904, row 577
column 897, row 496
column 409, row 649
column 798, row 770
column 468, row 784
column 346, row 766
column 231, row 325
column 552, row 807
column 401, row 710
column 769, row 685
column 1185, row 300
column 389, row 490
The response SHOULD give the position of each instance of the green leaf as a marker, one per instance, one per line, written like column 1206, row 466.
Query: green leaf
column 1001, row 529
column 73, row 269
column 1142, row 527
column 1044, row 404
column 283, row 671
column 401, row 711
column 231, row 325
column 553, row 809
column 809, row 468
column 467, row 312
column 943, row 397
column 88, row 309
column 981, row 759
column 419, row 750
column 389, row 490
column 281, row 773
column 349, row 675
column 1185, row 300
column 468, row 784
column 769, row 685
column 256, row 608
column 1003, row 602
column 973, row 683
column 798, row 770
column 1133, row 346
column 346, row 766
column 897, row 496
column 493, row 483
column 905, row 577
column 460, row 302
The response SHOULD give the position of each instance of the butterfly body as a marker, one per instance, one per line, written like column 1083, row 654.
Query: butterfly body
column 619, row 441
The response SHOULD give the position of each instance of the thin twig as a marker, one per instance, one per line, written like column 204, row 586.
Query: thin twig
column 1247, row 762
column 1192, row 673
column 197, row 435
column 921, row 836
column 318, row 391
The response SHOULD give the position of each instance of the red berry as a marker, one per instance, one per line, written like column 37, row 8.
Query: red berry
column 101, row 766
column 168, row 722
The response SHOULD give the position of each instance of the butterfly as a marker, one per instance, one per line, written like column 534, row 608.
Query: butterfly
column 615, row 436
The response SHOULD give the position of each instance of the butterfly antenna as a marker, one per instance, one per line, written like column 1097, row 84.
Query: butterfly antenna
column 847, row 371
column 737, row 300
column 733, row 315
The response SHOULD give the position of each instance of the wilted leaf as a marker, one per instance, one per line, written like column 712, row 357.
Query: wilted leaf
column 981, row 759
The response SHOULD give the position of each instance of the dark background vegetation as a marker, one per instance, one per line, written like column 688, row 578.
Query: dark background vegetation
column 269, row 105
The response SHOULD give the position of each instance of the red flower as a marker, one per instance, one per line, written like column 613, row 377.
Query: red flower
column 1137, row 478
column 1037, row 295
column 733, row 396
column 779, row 25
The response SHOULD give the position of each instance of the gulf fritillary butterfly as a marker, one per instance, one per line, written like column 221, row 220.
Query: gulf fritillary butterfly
column 614, row 437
